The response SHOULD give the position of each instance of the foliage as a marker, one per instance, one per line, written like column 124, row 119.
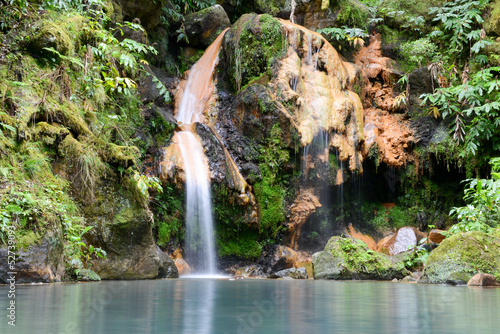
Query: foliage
column 168, row 210
column 482, row 211
column 418, row 51
column 270, row 192
column 354, row 36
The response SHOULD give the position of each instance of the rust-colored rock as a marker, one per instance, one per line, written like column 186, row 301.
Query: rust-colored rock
column 363, row 237
column 436, row 236
column 404, row 239
column 482, row 279
column 182, row 267
column 300, row 211
column 388, row 131
column 283, row 258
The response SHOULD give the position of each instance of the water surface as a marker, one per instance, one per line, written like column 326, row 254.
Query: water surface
column 213, row 306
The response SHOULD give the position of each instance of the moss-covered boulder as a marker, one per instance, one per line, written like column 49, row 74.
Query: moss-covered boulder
column 203, row 27
column 492, row 21
column 86, row 275
column 460, row 257
column 348, row 258
column 123, row 228
column 251, row 46
column 51, row 35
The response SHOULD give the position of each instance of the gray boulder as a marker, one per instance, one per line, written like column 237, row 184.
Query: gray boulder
column 203, row 27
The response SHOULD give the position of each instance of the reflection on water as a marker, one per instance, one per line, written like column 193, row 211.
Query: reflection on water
column 251, row 306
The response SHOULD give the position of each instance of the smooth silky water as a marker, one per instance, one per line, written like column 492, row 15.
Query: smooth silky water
column 252, row 306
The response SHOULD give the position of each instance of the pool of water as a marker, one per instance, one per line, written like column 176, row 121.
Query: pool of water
column 211, row 306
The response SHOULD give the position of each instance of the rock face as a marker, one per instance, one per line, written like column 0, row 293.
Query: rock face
column 459, row 258
column 203, row 27
column 482, row 280
column 42, row 263
column 300, row 211
column 304, row 81
column 347, row 258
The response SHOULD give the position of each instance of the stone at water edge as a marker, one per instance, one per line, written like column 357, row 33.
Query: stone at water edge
column 459, row 257
column 406, row 238
column 293, row 273
column 347, row 258
column 283, row 258
column 483, row 280
column 182, row 267
column 308, row 266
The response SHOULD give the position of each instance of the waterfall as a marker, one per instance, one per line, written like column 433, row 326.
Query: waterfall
column 292, row 12
column 197, row 91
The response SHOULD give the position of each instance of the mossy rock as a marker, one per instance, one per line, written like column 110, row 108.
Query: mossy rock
column 86, row 275
column 251, row 47
column 51, row 35
column 492, row 21
column 348, row 258
column 461, row 256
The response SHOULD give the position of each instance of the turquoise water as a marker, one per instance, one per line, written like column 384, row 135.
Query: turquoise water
column 251, row 306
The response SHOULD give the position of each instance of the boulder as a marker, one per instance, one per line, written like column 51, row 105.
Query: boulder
column 436, row 236
column 148, row 12
column 182, row 267
column 481, row 279
column 247, row 271
column 294, row 273
column 308, row 267
column 123, row 228
column 43, row 263
column 459, row 257
column 348, row 258
column 51, row 35
column 421, row 82
column 283, row 258
column 406, row 238
column 203, row 27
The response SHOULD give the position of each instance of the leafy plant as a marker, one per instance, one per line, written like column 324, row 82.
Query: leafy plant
column 482, row 212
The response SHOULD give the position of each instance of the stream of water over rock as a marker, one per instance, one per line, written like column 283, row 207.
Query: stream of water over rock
column 195, row 93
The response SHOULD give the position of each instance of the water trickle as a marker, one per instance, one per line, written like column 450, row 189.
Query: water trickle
column 196, row 92
column 292, row 12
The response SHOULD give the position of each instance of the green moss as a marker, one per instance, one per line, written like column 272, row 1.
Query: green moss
column 353, row 13
column 245, row 246
column 461, row 256
column 492, row 22
column 256, row 42
column 86, row 275
column 51, row 35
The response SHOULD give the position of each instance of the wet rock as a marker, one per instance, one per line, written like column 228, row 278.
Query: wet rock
column 481, row 279
column 203, row 27
column 294, row 273
column 347, row 258
column 147, row 87
column 43, row 263
column 86, row 275
column 149, row 12
column 247, row 271
column 459, row 257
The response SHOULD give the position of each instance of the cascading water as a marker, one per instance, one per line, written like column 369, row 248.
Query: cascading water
column 198, row 89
